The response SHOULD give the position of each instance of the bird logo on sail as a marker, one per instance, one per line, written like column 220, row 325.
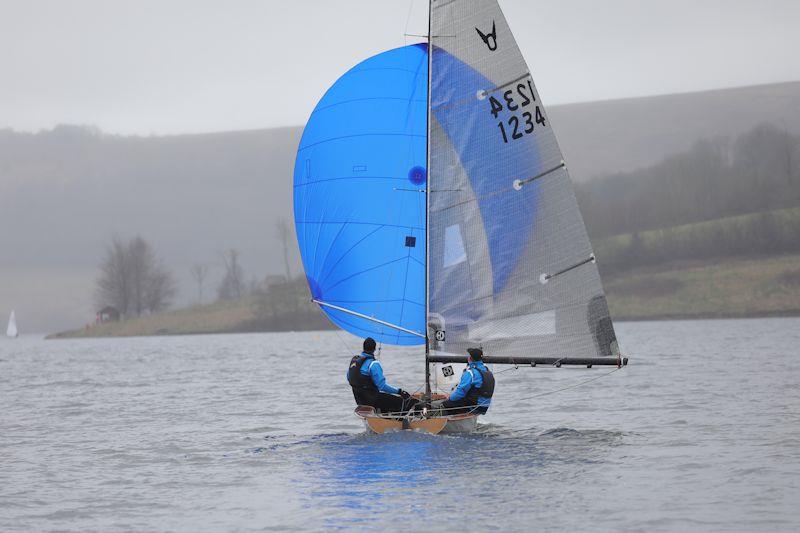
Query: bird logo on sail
column 489, row 38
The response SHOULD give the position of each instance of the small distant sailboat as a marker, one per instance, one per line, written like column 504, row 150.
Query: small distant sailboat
column 12, row 331
column 433, row 207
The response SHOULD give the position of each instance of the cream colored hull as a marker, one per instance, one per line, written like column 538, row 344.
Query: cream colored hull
column 433, row 425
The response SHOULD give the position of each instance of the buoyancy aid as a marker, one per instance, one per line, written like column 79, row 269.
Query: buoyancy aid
column 358, row 380
column 486, row 390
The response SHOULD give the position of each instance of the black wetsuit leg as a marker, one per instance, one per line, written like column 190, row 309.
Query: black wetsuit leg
column 456, row 407
column 386, row 403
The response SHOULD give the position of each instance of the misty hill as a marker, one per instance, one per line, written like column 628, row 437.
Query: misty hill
column 600, row 138
column 64, row 192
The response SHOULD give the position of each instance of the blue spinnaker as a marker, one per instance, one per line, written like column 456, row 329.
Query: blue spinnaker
column 359, row 201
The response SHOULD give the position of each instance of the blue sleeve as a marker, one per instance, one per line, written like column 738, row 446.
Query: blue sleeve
column 377, row 378
column 463, row 386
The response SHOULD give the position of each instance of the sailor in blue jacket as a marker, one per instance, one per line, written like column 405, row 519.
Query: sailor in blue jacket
column 365, row 376
column 474, row 392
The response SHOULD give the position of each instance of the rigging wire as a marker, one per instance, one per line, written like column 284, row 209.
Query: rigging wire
column 539, row 395
column 408, row 21
column 346, row 346
column 573, row 386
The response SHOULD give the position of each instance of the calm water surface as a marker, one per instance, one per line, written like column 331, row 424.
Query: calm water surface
column 256, row 432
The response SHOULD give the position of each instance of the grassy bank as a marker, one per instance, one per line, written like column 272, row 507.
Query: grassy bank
column 237, row 316
column 767, row 233
column 730, row 288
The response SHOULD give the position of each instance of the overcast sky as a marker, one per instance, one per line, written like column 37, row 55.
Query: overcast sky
column 195, row 65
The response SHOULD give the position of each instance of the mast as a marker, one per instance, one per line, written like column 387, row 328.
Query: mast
column 427, row 210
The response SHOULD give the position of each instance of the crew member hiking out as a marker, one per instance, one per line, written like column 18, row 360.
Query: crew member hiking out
column 365, row 376
column 474, row 392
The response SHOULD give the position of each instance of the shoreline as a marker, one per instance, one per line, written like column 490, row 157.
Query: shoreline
column 79, row 334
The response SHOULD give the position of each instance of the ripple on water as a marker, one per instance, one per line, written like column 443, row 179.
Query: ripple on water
column 188, row 433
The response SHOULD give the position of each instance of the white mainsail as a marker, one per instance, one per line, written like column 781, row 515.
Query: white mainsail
column 12, row 331
column 510, row 264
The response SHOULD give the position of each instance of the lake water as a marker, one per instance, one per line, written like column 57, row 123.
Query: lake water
column 256, row 432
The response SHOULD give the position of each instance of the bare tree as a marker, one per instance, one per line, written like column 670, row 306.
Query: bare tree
column 113, row 285
column 199, row 273
column 132, row 279
column 283, row 232
column 140, row 262
column 253, row 286
column 159, row 291
column 232, row 285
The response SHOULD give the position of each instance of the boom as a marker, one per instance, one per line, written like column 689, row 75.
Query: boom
column 533, row 361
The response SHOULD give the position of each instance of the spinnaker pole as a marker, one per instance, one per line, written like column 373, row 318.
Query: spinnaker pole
column 427, row 211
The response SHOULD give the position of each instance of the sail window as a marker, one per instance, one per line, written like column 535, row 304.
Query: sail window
column 454, row 252
column 531, row 325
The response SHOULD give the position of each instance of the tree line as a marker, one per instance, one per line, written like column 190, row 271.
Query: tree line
column 718, row 199
column 758, row 234
column 134, row 281
column 758, row 171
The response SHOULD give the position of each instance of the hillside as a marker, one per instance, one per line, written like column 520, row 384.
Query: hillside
column 736, row 288
column 64, row 192
column 741, row 287
column 756, row 234
column 612, row 136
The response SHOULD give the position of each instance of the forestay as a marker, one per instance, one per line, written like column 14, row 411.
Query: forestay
column 511, row 266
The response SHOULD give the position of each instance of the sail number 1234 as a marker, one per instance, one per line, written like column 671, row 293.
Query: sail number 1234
column 518, row 124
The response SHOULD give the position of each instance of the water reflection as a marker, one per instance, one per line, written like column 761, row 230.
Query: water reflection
column 367, row 471
column 358, row 478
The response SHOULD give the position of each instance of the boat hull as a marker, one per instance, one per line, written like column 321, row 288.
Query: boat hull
column 375, row 423
column 461, row 424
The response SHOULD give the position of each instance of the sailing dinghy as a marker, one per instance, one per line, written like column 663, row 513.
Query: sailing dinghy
column 11, row 331
column 433, row 207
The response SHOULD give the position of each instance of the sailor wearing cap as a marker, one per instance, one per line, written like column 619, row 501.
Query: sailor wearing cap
column 474, row 392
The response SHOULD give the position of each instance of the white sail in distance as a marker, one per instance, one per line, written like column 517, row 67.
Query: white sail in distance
column 12, row 331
